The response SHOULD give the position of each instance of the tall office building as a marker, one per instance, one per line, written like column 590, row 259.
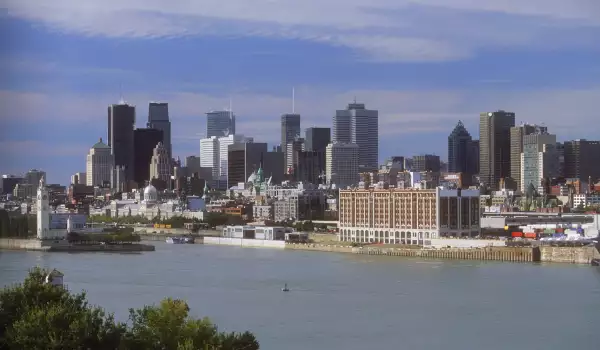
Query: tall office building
column 121, row 122
column 79, row 179
column 224, row 143
column 99, row 165
column 290, row 131
column 539, row 160
column 341, row 164
column 461, row 158
column 582, row 159
column 209, row 154
column 9, row 182
column 359, row 125
column 311, row 166
column 144, row 142
column 494, row 146
column 427, row 162
column 220, row 123
column 293, row 148
column 160, row 165
column 33, row 177
column 316, row 139
column 158, row 118
column 243, row 159
column 516, row 148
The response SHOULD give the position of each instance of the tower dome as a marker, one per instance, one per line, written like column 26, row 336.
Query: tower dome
column 150, row 194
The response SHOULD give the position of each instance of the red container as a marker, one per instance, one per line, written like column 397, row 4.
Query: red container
column 517, row 234
column 530, row 235
column 560, row 230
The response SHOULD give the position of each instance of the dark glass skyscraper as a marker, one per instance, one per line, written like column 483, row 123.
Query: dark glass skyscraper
column 460, row 155
column 317, row 139
column 494, row 146
column 290, row 131
column 121, row 122
column 158, row 118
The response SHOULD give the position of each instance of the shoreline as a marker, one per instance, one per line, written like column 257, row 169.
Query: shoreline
column 33, row 244
column 566, row 255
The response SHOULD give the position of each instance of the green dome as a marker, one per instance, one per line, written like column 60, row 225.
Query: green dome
column 100, row 144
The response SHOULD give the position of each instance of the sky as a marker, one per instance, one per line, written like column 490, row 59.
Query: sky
column 424, row 64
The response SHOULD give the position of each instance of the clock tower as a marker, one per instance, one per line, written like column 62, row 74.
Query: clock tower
column 43, row 212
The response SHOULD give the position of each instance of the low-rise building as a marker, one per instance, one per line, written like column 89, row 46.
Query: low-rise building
column 407, row 216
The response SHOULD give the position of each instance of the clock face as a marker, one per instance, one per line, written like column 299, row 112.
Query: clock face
column 45, row 197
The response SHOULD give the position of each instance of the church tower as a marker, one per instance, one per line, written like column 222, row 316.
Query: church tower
column 43, row 212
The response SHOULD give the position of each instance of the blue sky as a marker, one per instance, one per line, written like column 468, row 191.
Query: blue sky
column 424, row 64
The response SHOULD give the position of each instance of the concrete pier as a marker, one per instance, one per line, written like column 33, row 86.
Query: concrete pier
column 64, row 246
column 489, row 253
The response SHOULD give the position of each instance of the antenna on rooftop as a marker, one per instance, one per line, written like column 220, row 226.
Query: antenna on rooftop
column 293, row 100
column 121, row 100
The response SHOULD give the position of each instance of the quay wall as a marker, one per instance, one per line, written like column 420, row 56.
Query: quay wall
column 240, row 242
column 490, row 253
column 464, row 243
column 319, row 247
column 573, row 255
column 22, row 244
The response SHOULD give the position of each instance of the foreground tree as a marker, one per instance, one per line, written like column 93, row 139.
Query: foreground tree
column 35, row 315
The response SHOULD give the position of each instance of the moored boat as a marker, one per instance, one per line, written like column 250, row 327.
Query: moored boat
column 180, row 240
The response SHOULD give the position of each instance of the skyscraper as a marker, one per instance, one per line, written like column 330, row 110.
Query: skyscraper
column 459, row 151
column 316, row 139
column 290, row 131
column 494, row 146
column 359, row 125
column 160, row 165
column 539, row 159
column 582, row 159
column 342, row 164
column 158, row 118
column 121, row 122
column 144, row 142
column 516, row 148
column 220, row 123
column 99, row 165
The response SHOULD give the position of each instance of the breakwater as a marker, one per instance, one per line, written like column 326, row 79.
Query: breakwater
column 64, row 246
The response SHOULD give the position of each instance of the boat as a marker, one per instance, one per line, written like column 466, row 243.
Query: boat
column 180, row 240
column 595, row 262
column 285, row 288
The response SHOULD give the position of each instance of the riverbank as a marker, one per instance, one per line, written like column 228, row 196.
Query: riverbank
column 66, row 247
column 571, row 255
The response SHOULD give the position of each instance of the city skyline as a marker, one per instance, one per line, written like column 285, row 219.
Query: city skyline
column 421, row 79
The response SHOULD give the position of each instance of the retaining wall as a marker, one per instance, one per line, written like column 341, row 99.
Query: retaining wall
column 573, row 255
column 491, row 253
column 64, row 246
column 319, row 247
column 22, row 244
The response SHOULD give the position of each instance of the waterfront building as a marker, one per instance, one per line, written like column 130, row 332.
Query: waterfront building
column 158, row 119
column 494, row 147
column 220, row 123
column 342, row 164
column 407, row 216
column 99, row 165
column 290, row 131
column 43, row 211
column 121, row 123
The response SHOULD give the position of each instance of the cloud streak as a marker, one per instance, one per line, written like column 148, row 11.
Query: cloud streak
column 383, row 30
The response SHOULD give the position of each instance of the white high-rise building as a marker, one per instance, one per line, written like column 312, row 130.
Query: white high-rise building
column 160, row 164
column 359, row 125
column 99, row 165
column 43, row 211
column 78, row 178
column 209, row 155
column 224, row 143
column 341, row 164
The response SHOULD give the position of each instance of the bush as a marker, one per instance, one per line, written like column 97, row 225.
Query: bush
column 35, row 315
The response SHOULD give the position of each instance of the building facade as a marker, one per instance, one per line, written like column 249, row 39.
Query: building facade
column 494, row 146
column 582, row 159
column 121, row 123
column 209, row 156
column 516, row 148
column 99, row 165
column 220, row 123
column 161, row 166
column 158, row 119
column 290, row 131
column 427, row 162
column 461, row 158
column 224, row 143
column 539, row 160
column 316, row 139
column 145, row 140
column 341, row 164
column 396, row 216
column 359, row 125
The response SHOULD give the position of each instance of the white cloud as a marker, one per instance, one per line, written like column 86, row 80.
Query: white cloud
column 399, row 30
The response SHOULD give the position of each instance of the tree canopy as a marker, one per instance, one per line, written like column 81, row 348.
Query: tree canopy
column 38, row 316
column 17, row 225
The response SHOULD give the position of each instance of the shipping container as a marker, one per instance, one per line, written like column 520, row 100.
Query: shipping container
column 530, row 235
column 167, row 226
column 560, row 230
column 517, row 234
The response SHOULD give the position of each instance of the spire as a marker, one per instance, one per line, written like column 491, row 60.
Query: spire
column 42, row 182
column 293, row 100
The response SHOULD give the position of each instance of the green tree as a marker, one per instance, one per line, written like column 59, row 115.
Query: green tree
column 35, row 315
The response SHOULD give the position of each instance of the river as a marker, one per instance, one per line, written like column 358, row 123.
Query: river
column 344, row 301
